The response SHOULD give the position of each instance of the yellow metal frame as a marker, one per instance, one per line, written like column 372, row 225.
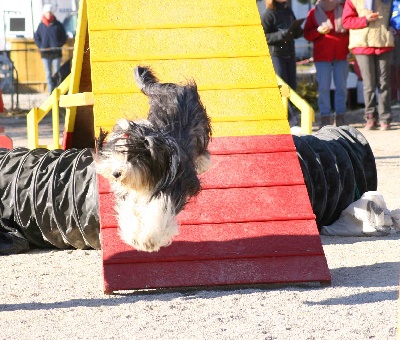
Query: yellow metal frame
column 56, row 100
column 77, row 99
column 38, row 113
column 307, row 112
column 77, row 61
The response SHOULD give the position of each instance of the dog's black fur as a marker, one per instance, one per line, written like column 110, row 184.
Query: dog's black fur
column 165, row 150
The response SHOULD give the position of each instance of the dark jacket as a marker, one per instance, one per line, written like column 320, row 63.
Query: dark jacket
column 50, row 39
column 276, row 23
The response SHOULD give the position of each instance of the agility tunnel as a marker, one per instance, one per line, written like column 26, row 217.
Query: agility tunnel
column 338, row 166
column 49, row 199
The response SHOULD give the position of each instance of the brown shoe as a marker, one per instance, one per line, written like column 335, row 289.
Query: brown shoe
column 371, row 124
column 384, row 126
column 339, row 120
column 325, row 120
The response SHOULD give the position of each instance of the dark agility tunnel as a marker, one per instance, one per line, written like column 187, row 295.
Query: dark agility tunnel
column 49, row 199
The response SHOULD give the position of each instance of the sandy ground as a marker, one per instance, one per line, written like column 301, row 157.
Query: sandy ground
column 58, row 294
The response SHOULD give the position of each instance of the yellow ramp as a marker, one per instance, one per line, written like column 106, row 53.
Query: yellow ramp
column 219, row 44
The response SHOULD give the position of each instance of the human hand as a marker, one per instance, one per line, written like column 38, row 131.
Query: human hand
column 373, row 16
column 323, row 29
column 286, row 34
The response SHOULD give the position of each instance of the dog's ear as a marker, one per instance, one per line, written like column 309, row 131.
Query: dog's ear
column 149, row 143
column 100, row 141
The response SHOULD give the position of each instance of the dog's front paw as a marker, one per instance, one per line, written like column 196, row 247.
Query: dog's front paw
column 145, row 242
column 150, row 245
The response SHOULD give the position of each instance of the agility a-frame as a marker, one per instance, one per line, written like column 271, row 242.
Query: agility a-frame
column 252, row 223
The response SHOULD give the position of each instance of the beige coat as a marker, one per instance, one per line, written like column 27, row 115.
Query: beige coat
column 376, row 34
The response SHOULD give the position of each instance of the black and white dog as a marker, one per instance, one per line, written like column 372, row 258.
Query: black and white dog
column 153, row 164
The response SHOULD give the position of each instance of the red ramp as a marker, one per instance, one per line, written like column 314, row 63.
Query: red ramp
column 252, row 223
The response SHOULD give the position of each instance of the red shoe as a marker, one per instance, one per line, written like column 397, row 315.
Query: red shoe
column 371, row 124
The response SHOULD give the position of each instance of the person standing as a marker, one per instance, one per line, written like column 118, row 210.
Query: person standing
column 276, row 22
column 330, row 39
column 50, row 36
column 372, row 42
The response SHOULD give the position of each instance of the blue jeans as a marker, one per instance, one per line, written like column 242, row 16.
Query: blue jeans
column 285, row 68
column 51, row 66
column 340, row 70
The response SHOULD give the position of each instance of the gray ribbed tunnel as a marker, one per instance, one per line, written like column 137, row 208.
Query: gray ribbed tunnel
column 49, row 199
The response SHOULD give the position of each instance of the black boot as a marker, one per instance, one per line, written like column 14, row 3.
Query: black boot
column 339, row 120
column 325, row 120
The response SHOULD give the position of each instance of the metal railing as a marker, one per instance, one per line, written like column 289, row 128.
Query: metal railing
column 307, row 112
column 38, row 113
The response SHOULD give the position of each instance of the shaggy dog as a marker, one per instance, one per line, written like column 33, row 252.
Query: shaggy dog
column 153, row 164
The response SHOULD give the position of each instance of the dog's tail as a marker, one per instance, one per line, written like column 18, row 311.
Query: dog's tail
column 144, row 77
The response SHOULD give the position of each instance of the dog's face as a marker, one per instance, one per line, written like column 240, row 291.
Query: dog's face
column 135, row 156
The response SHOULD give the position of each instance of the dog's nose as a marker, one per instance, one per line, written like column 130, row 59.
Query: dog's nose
column 116, row 174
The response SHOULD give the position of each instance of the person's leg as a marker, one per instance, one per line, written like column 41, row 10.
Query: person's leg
column 56, row 63
column 281, row 69
column 291, row 72
column 340, row 73
column 55, row 66
column 47, row 70
column 324, row 76
column 368, row 71
column 290, row 66
column 384, row 99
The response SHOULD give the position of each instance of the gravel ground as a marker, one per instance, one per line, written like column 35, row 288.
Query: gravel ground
column 58, row 294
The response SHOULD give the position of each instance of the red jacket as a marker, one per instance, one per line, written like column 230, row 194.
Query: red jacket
column 327, row 47
column 351, row 20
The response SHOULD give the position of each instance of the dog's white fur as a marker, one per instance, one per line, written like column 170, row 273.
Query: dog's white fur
column 146, row 225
